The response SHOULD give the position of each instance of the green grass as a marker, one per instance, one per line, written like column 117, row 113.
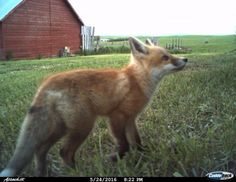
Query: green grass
column 189, row 127
column 216, row 44
column 196, row 43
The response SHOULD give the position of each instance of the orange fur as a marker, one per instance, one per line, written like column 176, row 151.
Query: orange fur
column 67, row 104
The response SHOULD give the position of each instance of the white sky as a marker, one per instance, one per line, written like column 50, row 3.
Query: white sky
column 158, row 17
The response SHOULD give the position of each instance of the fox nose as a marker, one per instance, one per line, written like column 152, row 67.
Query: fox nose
column 185, row 60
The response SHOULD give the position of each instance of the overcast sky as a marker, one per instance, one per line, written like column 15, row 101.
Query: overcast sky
column 158, row 17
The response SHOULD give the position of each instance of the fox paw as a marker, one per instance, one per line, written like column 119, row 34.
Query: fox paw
column 67, row 160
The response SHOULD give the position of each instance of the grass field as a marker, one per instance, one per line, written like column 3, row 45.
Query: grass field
column 189, row 128
column 197, row 44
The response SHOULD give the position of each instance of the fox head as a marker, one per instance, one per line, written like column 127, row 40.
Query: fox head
column 154, row 59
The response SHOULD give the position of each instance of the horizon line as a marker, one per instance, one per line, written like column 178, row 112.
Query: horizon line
column 170, row 35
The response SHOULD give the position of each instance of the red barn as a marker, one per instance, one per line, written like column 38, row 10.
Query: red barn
column 38, row 28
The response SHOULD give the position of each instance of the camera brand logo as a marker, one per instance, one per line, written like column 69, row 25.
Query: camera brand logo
column 220, row 175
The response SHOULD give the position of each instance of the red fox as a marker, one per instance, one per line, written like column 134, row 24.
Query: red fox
column 67, row 105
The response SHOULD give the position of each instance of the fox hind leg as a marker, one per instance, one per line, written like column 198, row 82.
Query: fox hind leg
column 74, row 138
column 41, row 153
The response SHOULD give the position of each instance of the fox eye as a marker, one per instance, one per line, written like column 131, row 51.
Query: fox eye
column 165, row 58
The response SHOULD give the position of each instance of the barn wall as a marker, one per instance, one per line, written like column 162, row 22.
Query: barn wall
column 41, row 28
column 27, row 30
column 65, row 29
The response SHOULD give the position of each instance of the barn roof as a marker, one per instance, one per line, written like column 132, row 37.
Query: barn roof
column 7, row 6
column 76, row 14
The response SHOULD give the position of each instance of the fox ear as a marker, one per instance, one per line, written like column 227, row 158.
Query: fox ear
column 149, row 42
column 137, row 47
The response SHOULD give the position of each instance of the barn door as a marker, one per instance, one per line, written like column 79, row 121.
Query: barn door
column 87, row 34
